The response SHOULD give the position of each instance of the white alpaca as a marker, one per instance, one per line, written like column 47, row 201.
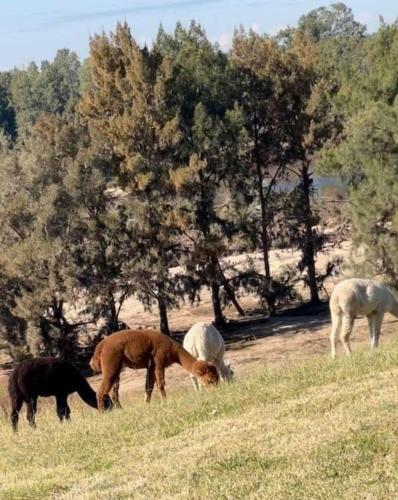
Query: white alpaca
column 205, row 342
column 358, row 297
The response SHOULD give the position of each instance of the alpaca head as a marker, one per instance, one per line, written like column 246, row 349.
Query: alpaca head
column 206, row 373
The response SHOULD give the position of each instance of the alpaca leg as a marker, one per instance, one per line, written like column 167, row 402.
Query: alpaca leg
column 115, row 393
column 195, row 382
column 63, row 410
column 111, row 363
column 159, row 375
column 346, row 329
column 104, row 390
column 336, row 326
column 111, row 371
column 378, row 320
column 370, row 318
column 34, row 404
column 17, row 402
column 150, row 381
column 223, row 370
column 31, row 411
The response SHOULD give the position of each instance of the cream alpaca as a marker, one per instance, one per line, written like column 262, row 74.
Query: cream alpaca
column 359, row 297
column 205, row 342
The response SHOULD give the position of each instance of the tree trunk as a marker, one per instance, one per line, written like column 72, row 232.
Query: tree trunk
column 164, row 322
column 309, row 250
column 204, row 225
column 113, row 323
column 264, row 228
column 66, row 340
column 215, row 297
column 264, row 238
column 263, row 207
column 229, row 290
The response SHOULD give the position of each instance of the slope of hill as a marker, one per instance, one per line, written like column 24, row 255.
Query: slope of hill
column 313, row 429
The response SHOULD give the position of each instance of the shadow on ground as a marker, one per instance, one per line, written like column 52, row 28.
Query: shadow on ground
column 255, row 326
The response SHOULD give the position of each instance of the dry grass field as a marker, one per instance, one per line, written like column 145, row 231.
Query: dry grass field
column 303, row 429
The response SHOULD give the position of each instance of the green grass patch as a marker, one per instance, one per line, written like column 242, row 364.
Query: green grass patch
column 316, row 429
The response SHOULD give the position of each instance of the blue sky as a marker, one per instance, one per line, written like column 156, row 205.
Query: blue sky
column 34, row 30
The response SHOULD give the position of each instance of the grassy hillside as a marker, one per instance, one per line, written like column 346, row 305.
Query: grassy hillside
column 312, row 430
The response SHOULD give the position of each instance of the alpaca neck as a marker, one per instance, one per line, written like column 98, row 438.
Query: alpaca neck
column 185, row 359
column 86, row 392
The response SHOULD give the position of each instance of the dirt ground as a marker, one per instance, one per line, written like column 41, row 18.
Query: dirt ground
column 134, row 315
column 253, row 342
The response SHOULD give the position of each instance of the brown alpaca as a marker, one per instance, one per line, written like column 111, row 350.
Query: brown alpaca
column 144, row 349
column 95, row 363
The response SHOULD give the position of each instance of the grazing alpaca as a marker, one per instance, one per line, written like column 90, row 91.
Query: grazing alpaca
column 144, row 349
column 95, row 363
column 205, row 342
column 46, row 377
column 353, row 297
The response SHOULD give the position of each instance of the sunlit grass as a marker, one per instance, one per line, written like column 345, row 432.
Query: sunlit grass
column 317, row 429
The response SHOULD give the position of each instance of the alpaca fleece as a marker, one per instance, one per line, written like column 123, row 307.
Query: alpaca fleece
column 147, row 349
column 47, row 377
column 359, row 297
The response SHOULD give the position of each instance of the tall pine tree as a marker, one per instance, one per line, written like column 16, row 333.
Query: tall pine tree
column 136, row 133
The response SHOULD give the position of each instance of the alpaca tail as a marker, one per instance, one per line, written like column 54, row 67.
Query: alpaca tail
column 13, row 387
column 95, row 361
column 86, row 392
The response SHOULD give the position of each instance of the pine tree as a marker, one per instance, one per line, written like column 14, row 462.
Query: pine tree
column 135, row 132
column 367, row 160
column 12, row 328
column 51, row 88
column 7, row 111
column 310, row 125
column 263, row 74
column 208, row 152
column 334, row 22
column 101, row 240
column 251, row 54
column 35, row 215
column 366, row 156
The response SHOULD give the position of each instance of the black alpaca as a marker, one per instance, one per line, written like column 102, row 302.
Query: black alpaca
column 46, row 377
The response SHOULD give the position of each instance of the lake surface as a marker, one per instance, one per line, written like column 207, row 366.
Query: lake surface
column 319, row 183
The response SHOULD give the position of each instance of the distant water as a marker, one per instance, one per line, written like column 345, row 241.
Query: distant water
column 319, row 183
